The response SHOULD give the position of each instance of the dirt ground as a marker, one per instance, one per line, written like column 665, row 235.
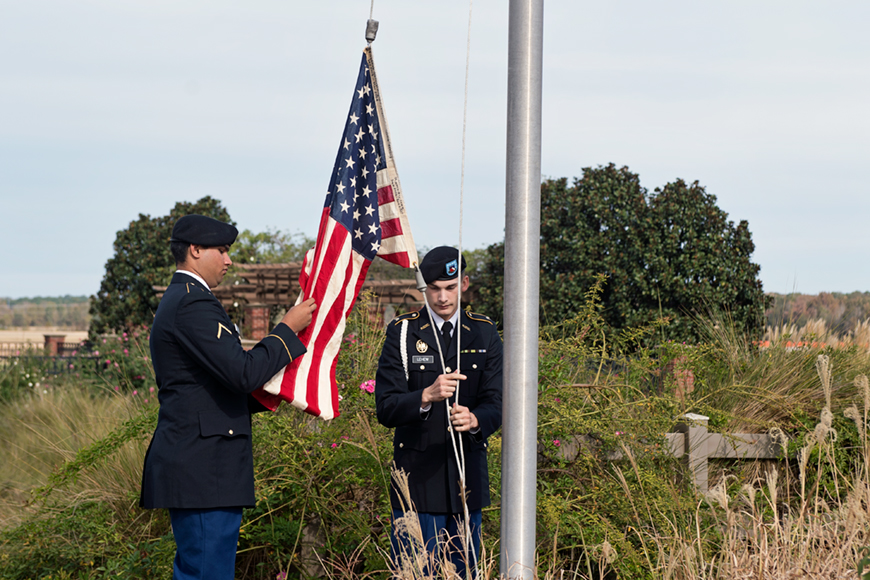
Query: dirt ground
column 35, row 334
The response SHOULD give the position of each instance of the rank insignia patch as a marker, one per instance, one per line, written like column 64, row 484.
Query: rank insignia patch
column 222, row 327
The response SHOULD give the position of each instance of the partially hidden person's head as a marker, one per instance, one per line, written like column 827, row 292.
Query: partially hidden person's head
column 440, row 269
column 201, row 244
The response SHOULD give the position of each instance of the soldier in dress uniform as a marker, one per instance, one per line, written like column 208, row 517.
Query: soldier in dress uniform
column 411, row 388
column 199, row 464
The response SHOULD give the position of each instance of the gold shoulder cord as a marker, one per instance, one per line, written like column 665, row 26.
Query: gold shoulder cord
column 282, row 342
column 478, row 317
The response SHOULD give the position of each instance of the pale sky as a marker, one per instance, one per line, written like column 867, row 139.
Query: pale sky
column 111, row 108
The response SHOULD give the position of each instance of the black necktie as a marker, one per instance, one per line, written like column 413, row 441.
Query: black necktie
column 445, row 336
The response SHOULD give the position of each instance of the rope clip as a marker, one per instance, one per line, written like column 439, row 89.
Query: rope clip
column 371, row 30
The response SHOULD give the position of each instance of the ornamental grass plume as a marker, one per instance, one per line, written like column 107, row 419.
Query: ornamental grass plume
column 823, row 367
column 860, row 335
column 414, row 562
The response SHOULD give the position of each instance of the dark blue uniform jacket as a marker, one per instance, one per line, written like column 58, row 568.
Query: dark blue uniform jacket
column 421, row 445
column 200, row 455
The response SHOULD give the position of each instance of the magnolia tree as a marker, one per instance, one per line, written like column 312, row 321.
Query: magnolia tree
column 671, row 253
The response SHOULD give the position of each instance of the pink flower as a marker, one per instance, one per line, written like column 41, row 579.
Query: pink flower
column 116, row 387
column 345, row 437
column 150, row 389
column 71, row 366
column 368, row 386
column 135, row 393
column 108, row 362
column 334, row 445
column 116, row 365
column 281, row 576
column 126, row 351
column 96, row 353
column 104, row 341
column 556, row 442
column 146, row 400
column 123, row 334
column 558, row 400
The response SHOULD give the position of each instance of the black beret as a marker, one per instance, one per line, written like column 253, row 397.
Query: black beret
column 203, row 231
column 441, row 264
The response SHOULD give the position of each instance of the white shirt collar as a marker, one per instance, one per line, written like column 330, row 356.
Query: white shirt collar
column 439, row 321
column 195, row 277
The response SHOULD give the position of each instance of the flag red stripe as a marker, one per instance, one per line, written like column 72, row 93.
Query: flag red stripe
column 399, row 258
column 319, row 247
column 391, row 228
column 385, row 194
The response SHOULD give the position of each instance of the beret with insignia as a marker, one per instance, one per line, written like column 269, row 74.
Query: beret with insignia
column 441, row 263
column 203, row 231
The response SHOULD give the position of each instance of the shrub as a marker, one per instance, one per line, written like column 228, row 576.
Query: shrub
column 612, row 502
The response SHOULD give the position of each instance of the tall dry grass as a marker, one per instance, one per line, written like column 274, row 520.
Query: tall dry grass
column 818, row 332
column 753, row 389
column 761, row 531
column 41, row 432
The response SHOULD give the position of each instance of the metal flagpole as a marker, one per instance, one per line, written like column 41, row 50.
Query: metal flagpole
column 521, row 292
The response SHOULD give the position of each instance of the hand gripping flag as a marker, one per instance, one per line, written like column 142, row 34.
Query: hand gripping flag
column 363, row 217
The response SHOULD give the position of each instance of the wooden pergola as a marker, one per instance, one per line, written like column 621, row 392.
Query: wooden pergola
column 278, row 285
column 262, row 286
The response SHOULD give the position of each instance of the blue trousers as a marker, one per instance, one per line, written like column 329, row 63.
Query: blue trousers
column 441, row 534
column 206, row 540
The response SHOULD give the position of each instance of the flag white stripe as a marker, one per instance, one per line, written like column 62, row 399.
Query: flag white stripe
column 389, row 211
column 392, row 245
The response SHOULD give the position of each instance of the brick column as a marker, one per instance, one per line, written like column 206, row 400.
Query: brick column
column 54, row 343
column 257, row 319
column 684, row 378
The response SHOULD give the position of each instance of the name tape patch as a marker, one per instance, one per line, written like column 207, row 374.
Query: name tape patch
column 427, row 359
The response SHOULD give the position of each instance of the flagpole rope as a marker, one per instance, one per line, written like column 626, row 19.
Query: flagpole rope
column 468, row 544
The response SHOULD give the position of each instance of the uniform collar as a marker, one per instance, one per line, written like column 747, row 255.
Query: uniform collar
column 440, row 321
column 195, row 277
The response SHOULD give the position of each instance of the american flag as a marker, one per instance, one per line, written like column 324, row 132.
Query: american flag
column 363, row 217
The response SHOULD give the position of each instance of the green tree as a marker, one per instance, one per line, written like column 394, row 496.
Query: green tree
column 270, row 247
column 141, row 261
column 702, row 261
column 673, row 253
